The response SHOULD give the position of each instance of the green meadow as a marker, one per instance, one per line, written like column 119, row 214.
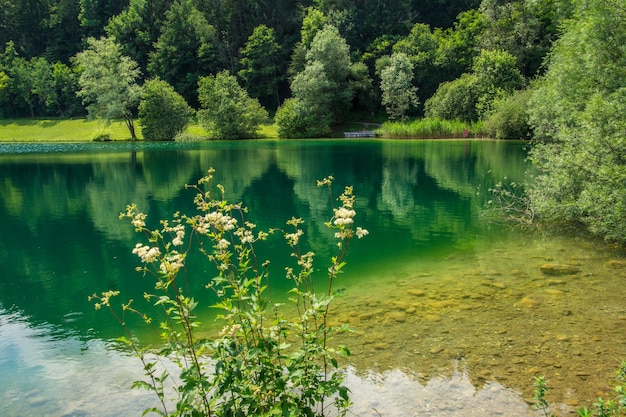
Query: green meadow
column 84, row 130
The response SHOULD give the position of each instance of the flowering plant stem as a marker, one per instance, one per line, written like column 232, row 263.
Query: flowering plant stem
column 264, row 362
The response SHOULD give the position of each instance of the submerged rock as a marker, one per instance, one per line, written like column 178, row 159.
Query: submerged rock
column 437, row 349
column 559, row 269
column 530, row 301
column 616, row 264
column 398, row 316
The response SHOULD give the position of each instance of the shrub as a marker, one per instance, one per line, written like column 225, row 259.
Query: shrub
column 454, row 100
column 227, row 110
column 102, row 137
column 509, row 119
column 295, row 120
column 264, row 362
column 163, row 113
column 601, row 408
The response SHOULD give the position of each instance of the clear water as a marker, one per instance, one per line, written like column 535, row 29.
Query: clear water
column 453, row 316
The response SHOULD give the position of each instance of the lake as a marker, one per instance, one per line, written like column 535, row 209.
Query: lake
column 453, row 315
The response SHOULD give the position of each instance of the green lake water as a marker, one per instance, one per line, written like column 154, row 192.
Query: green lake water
column 453, row 315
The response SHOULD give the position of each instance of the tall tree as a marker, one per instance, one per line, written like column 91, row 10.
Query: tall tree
column 458, row 46
column 580, row 106
column 21, row 81
column 138, row 27
column 108, row 82
column 8, row 20
column 184, row 50
column 333, row 53
column 396, row 84
column 420, row 46
column 494, row 75
column 94, row 14
column 523, row 28
column 497, row 76
column 382, row 17
column 259, row 66
column 322, row 92
column 313, row 21
column 63, row 33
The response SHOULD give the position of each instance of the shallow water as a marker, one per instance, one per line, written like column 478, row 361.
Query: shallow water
column 497, row 316
column 452, row 316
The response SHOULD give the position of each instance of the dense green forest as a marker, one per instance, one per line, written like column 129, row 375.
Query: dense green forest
column 553, row 70
column 265, row 45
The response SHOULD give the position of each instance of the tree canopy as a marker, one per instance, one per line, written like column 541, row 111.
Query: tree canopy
column 163, row 113
column 268, row 44
column 579, row 108
column 108, row 82
column 227, row 110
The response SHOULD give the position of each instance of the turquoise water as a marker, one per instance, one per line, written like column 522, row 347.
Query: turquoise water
column 428, row 290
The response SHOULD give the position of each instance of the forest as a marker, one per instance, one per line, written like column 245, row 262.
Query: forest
column 551, row 70
column 264, row 44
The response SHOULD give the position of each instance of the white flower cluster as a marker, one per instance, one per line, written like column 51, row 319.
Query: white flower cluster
column 172, row 262
column 139, row 220
column 146, row 253
column 179, row 230
column 223, row 244
column 246, row 235
column 293, row 238
column 344, row 216
column 306, row 261
column 220, row 221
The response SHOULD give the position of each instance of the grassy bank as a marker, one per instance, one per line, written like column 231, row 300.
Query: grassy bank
column 83, row 130
column 429, row 129
column 60, row 130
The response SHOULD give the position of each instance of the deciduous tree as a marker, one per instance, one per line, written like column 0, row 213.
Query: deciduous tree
column 184, row 50
column 227, row 110
column 579, row 109
column 259, row 66
column 108, row 82
column 163, row 113
column 399, row 94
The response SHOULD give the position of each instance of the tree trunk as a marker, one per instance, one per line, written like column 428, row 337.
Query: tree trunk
column 131, row 128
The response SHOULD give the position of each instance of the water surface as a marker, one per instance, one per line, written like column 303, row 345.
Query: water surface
column 452, row 315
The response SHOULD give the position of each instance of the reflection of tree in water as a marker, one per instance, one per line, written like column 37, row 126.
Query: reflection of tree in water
column 50, row 256
column 63, row 240
column 50, row 191
column 432, row 188
column 12, row 197
column 396, row 189
column 112, row 188
column 236, row 166
column 350, row 164
column 167, row 172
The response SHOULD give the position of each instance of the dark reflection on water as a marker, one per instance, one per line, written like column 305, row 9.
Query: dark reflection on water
column 61, row 239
